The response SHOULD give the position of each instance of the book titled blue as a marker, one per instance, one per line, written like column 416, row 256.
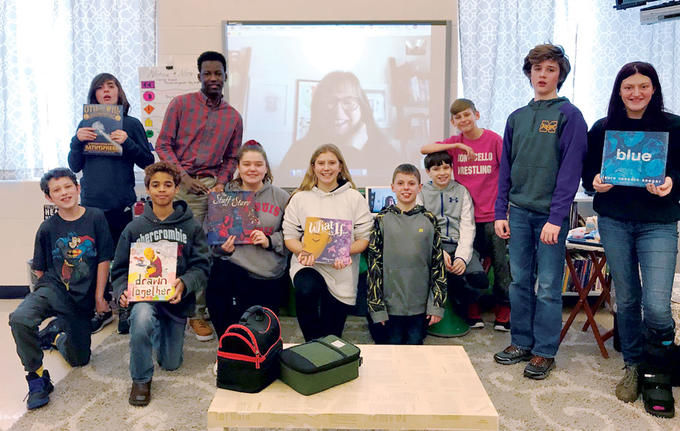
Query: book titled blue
column 634, row 158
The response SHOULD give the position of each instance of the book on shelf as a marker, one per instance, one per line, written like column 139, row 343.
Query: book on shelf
column 634, row 158
column 328, row 239
column 104, row 119
column 231, row 213
column 583, row 267
column 152, row 271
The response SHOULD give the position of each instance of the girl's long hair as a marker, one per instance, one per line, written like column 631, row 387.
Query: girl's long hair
column 616, row 112
column 310, row 179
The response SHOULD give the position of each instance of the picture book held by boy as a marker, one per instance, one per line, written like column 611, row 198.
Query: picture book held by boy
column 104, row 119
column 231, row 213
column 634, row 158
column 152, row 271
column 328, row 239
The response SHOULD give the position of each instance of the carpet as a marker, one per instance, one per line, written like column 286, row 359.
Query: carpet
column 578, row 395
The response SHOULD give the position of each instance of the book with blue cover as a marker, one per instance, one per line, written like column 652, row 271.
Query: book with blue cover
column 634, row 158
column 104, row 119
column 231, row 213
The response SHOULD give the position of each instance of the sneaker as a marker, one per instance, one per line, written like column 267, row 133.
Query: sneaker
column 539, row 367
column 474, row 318
column 100, row 320
column 39, row 389
column 123, row 322
column 502, row 322
column 628, row 389
column 49, row 334
column 201, row 329
column 512, row 355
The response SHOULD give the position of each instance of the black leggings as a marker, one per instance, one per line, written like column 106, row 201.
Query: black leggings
column 318, row 312
column 232, row 290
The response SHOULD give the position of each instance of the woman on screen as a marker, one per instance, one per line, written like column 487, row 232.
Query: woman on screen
column 341, row 114
column 325, row 292
column 638, row 226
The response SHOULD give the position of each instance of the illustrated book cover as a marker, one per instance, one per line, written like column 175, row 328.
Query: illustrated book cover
column 231, row 213
column 152, row 271
column 634, row 158
column 328, row 239
column 104, row 119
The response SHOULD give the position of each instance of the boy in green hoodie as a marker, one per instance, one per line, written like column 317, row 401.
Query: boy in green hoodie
column 165, row 220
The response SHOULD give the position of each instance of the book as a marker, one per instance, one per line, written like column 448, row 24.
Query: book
column 152, row 271
column 231, row 213
column 328, row 239
column 634, row 158
column 104, row 119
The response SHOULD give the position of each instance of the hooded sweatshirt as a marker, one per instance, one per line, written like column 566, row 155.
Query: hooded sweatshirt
column 270, row 203
column 455, row 214
column 193, row 260
column 342, row 203
column 543, row 149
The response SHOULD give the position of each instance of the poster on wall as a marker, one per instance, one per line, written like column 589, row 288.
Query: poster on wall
column 157, row 86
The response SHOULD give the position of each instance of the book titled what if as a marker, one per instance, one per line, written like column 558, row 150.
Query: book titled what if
column 328, row 239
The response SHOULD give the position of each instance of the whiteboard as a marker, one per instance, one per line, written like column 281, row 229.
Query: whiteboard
column 157, row 87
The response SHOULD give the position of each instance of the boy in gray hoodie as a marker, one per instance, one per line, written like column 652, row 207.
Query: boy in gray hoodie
column 160, row 325
column 452, row 204
column 406, row 276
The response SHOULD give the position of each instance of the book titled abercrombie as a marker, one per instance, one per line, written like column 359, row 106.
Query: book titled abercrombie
column 231, row 213
column 104, row 119
column 152, row 271
column 328, row 239
column 634, row 158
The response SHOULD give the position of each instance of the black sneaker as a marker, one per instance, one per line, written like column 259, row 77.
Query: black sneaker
column 100, row 320
column 539, row 367
column 46, row 336
column 512, row 355
column 123, row 322
column 501, row 326
column 39, row 389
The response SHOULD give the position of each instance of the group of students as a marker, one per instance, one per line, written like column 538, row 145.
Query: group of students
column 511, row 194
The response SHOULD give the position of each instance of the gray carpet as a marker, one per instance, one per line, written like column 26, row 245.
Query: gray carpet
column 579, row 394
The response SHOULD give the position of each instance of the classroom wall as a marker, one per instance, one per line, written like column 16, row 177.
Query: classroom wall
column 185, row 29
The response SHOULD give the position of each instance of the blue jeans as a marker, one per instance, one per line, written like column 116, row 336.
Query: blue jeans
column 153, row 329
column 648, row 249
column 406, row 329
column 535, row 312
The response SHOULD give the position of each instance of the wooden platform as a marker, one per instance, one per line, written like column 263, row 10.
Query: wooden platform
column 399, row 388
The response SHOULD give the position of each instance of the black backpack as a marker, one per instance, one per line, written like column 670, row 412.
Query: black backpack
column 248, row 354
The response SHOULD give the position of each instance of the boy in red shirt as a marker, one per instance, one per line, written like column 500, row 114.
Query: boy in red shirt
column 476, row 156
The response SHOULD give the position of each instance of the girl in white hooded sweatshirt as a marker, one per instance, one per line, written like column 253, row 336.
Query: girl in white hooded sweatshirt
column 325, row 293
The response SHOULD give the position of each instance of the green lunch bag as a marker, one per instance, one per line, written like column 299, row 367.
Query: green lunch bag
column 319, row 364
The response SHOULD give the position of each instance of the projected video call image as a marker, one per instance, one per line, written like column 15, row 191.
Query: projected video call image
column 375, row 90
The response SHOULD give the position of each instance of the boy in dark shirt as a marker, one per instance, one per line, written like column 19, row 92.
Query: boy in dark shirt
column 73, row 249
column 160, row 325
column 406, row 277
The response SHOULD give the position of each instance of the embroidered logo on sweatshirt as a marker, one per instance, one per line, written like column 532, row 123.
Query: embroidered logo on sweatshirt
column 548, row 126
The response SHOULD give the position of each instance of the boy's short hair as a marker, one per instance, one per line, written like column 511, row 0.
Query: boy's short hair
column 544, row 52
column 406, row 169
column 211, row 56
column 162, row 166
column 54, row 174
column 460, row 105
column 438, row 158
